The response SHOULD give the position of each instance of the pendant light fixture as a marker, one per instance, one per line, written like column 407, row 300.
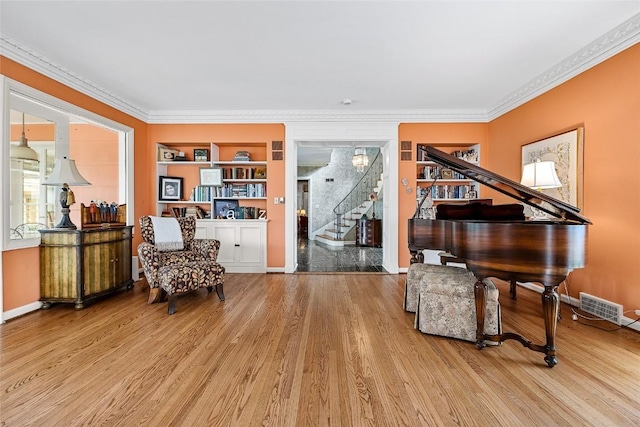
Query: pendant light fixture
column 22, row 151
column 360, row 159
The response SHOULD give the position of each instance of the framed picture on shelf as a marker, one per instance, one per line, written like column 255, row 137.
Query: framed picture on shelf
column 211, row 177
column 222, row 207
column 170, row 188
column 200, row 155
column 446, row 174
column 167, row 154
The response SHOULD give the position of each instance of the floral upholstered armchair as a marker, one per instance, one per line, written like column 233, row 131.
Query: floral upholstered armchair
column 194, row 250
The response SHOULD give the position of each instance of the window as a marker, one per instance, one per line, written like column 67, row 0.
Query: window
column 103, row 151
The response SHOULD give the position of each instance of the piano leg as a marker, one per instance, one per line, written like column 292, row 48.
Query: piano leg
column 479, row 294
column 550, row 309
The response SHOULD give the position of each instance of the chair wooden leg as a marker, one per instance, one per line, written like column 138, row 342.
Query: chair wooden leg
column 220, row 292
column 173, row 299
column 155, row 295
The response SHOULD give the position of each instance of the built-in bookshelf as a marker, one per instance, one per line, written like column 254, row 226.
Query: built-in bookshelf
column 445, row 185
column 243, row 169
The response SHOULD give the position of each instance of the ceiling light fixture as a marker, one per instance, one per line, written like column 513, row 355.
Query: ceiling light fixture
column 360, row 159
column 22, row 151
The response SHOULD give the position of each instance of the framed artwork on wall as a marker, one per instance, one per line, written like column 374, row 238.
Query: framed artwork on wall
column 566, row 150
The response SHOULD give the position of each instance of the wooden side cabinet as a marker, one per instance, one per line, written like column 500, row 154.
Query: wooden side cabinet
column 78, row 266
column 369, row 232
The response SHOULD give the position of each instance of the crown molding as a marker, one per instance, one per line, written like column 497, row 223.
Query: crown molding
column 612, row 43
column 291, row 116
column 30, row 58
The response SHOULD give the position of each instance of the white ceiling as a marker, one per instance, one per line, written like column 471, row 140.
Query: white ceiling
column 181, row 61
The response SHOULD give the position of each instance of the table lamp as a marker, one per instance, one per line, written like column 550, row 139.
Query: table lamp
column 65, row 173
column 539, row 176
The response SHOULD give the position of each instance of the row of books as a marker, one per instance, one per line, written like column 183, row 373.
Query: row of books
column 470, row 155
column 450, row 192
column 438, row 172
column 185, row 211
column 241, row 190
column 244, row 173
column 201, row 194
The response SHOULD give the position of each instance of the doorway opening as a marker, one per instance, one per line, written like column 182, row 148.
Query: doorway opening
column 339, row 211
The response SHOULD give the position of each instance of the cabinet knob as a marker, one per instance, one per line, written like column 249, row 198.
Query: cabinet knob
column 237, row 245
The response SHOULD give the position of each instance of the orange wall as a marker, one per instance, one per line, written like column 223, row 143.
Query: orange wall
column 22, row 281
column 606, row 101
column 434, row 134
column 95, row 151
column 235, row 136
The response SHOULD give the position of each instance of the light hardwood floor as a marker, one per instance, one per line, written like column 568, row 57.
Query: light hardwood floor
column 304, row 350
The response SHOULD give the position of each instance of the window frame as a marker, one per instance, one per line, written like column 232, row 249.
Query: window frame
column 21, row 97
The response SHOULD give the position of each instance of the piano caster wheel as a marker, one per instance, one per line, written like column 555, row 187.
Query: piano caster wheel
column 551, row 361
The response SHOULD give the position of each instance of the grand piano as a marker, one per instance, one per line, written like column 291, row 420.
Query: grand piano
column 494, row 243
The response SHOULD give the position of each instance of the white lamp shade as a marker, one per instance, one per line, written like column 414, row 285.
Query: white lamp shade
column 65, row 172
column 23, row 152
column 540, row 175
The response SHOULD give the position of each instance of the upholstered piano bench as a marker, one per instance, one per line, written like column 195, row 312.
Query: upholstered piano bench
column 446, row 307
column 178, row 279
column 419, row 273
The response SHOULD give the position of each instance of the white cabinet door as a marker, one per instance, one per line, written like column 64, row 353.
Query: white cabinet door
column 250, row 246
column 226, row 233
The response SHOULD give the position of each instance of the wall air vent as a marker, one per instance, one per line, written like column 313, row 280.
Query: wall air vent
column 601, row 307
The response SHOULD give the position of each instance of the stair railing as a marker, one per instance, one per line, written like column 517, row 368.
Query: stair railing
column 358, row 194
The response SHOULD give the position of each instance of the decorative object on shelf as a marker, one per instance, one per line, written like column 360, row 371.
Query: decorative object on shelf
column 211, row 177
column 100, row 214
column 260, row 173
column 170, row 188
column 540, row 176
column 360, row 159
column 200, row 155
column 167, row 154
column 566, row 151
column 65, row 173
column 242, row 156
column 446, row 174
column 180, row 157
column 22, row 151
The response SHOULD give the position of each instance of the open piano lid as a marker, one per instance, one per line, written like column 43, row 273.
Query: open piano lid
column 536, row 199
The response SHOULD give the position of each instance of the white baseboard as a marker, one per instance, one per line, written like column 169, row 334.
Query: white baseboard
column 20, row 311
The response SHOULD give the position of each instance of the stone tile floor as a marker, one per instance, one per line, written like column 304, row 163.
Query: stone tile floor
column 318, row 257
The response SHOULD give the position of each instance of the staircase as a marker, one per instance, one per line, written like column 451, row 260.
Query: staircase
column 359, row 201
